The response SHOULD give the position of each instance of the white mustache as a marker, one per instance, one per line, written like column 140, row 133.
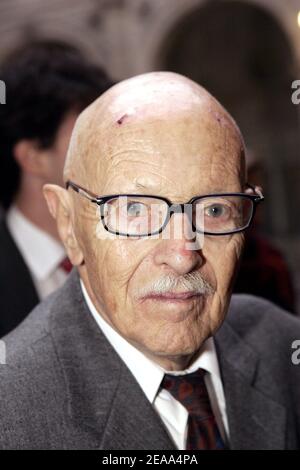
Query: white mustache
column 191, row 282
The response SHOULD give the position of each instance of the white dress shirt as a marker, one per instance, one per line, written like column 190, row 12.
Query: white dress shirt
column 41, row 252
column 149, row 376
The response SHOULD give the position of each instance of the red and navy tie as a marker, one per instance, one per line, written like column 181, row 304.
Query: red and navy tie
column 190, row 390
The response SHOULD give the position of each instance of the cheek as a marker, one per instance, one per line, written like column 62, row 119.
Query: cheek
column 222, row 254
column 113, row 263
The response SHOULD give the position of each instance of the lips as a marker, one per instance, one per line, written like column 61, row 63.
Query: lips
column 172, row 296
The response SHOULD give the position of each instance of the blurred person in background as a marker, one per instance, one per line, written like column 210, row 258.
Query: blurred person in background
column 263, row 271
column 48, row 84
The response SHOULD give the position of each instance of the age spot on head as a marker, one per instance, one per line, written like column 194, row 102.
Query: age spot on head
column 122, row 119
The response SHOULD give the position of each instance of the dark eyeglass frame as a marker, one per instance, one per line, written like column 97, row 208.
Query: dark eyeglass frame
column 176, row 208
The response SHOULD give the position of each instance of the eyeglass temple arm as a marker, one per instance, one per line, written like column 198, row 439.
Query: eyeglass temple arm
column 82, row 191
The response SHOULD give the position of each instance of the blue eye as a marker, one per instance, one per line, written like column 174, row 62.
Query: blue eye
column 136, row 209
column 216, row 210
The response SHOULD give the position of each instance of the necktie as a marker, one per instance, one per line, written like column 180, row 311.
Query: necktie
column 66, row 265
column 190, row 390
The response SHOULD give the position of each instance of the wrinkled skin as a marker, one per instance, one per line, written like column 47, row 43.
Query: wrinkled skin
column 159, row 134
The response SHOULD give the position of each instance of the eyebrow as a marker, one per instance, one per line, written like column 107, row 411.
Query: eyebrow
column 140, row 186
column 152, row 188
column 155, row 189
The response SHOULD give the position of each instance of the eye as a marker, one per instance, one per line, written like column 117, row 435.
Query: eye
column 136, row 209
column 217, row 211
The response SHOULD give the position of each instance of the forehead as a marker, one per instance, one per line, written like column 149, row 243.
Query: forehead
column 186, row 152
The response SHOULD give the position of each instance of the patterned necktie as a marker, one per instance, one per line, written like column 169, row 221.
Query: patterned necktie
column 66, row 265
column 190, row 390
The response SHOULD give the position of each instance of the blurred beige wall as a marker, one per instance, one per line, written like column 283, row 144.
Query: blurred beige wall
column 124, row 35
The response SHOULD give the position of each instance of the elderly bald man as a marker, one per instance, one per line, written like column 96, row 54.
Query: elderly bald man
column 133, row 351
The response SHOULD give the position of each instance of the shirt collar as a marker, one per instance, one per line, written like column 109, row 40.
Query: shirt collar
column 148, row 374
column 41, row 252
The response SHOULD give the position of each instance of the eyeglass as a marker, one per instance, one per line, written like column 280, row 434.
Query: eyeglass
column 136, row 215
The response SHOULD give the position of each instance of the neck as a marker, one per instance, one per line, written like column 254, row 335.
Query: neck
column 32, row 204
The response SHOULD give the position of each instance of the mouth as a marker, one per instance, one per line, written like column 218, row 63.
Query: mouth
column 173, row 296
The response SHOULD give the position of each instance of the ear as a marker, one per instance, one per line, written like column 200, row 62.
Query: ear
column 30, row 157
column 60, row 206
column 254, row 190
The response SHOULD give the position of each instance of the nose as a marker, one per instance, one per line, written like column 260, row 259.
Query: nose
column 179, row 249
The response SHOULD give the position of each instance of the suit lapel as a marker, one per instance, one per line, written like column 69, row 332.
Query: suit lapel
column 133, row 423
column 108, row 407
column 256, row 421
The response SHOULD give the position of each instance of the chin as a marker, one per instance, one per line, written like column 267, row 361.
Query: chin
column 173, row 337
column 177, row 346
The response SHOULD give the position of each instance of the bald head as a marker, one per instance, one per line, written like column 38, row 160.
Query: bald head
column 127, row 108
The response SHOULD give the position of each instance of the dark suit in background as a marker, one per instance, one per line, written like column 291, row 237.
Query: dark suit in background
column 18, row 295
column 65, row 387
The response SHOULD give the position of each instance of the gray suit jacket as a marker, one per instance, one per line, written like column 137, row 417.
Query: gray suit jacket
column 64, row 386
